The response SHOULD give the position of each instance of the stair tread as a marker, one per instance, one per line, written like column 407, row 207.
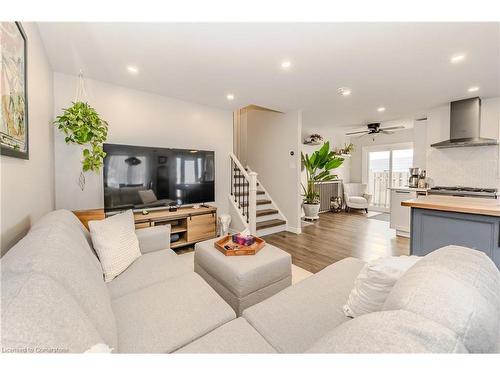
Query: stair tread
column 270, row 223
column 259, row 202
column 269, row 211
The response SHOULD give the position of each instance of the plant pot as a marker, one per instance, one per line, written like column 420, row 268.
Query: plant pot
column 311, row 211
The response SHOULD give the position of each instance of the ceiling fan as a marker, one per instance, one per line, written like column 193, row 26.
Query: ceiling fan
column 375, row 128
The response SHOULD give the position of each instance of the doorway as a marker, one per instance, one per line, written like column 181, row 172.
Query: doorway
column 385, row 167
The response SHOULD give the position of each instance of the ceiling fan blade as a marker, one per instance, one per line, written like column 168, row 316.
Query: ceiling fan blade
column 387, row 131
column 364, row 135
column 358, row 132
column 393, row 128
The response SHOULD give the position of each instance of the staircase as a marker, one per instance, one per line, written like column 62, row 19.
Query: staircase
column 251, row 200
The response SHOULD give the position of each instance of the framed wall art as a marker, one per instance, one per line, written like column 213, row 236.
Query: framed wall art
column 13, row 90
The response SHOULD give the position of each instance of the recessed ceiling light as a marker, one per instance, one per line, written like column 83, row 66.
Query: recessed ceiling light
column 132, row 69
column 286, row 64
column 230, row 97
column 344, row 91
column 457, row 58
column 473, row 89
column 381, row 109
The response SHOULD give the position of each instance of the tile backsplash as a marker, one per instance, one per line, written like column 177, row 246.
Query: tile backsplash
column 464, row 166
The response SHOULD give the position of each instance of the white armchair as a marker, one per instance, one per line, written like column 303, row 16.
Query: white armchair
column 356, row 196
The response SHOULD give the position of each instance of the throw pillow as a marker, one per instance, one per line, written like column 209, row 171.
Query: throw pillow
column 374, row 283
column 115, row 242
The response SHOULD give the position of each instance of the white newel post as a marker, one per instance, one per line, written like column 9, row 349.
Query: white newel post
column 252, row 203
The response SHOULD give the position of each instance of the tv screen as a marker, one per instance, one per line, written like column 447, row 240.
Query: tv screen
column 137, row 177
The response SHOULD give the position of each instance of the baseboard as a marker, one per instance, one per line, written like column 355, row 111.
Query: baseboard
column 293, row 229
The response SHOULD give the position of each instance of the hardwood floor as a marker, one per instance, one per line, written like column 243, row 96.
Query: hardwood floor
column 336, row 236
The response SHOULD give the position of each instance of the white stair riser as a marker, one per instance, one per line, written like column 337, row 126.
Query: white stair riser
column 265, row 207
column 268, row 217
column 271, row 230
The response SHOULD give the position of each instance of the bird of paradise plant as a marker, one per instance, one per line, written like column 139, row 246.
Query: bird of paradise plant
column 318, row 168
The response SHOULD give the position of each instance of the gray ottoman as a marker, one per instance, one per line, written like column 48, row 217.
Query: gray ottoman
column 243, row 281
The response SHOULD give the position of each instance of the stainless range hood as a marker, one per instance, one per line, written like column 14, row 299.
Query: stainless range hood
column 465, row 125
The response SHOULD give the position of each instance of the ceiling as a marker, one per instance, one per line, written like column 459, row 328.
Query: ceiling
column 404, row 67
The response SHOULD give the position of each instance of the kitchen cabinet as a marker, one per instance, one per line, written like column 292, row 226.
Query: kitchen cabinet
column 433, row 229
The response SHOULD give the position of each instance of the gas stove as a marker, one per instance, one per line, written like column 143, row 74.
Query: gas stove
column 462, row 191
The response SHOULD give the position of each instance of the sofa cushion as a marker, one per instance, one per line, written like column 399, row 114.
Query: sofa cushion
column 358, row 200
column 149, row 269
column 165, row 316
column 395, row 331
column 458, row 288
column 295, row 318
column 57, row 248
column 39, row 315
column 153, row 238
column 73, row 225
column 237, row 336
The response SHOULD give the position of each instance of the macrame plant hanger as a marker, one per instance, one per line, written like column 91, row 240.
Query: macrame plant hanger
column 81, row 96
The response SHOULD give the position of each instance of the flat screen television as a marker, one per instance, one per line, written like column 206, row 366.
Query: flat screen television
column 137, row 177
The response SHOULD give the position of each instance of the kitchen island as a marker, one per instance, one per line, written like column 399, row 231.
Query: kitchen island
column 438, row 221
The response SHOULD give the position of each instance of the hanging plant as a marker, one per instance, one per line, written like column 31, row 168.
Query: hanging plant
column 82, row 125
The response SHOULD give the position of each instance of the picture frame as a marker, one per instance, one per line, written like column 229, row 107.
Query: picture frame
column 14, row 125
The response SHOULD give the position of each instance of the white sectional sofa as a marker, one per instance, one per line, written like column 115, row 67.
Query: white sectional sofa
column 54, row 295
column 54, row 299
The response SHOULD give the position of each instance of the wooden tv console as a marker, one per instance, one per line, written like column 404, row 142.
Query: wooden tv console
column 191, row 224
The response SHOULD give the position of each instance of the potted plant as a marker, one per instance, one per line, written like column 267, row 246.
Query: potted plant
column 346, row 150
column 318, row 167
column 313, row 139
column 82, row 125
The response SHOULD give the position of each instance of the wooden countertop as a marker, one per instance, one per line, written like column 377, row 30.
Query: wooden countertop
column 479, row 206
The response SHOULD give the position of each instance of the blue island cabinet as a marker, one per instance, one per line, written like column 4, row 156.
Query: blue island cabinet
column 432, row 229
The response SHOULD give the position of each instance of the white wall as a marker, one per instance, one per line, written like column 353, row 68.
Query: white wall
column 465, row 166
column 271, row 137
column 139, row 118
column 27, row 186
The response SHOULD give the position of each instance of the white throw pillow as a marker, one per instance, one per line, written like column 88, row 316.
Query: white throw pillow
column 115, row 242
column 374, row 283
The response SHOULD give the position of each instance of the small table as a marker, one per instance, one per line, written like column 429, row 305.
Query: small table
column 243, row 281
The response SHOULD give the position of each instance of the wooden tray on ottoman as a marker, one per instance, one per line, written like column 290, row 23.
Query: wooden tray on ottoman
column 241, row 250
